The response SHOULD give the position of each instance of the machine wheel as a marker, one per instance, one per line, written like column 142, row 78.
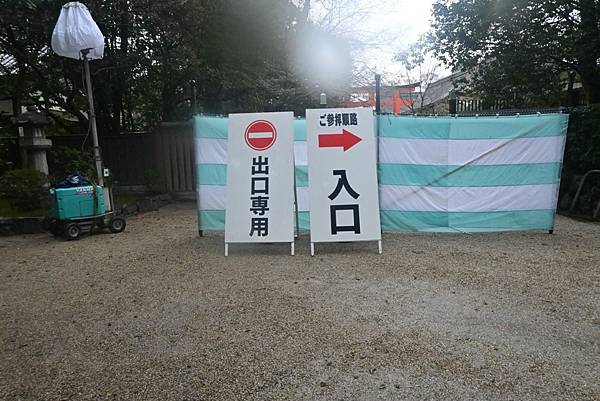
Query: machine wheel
column 72, row 231
column 116, row 225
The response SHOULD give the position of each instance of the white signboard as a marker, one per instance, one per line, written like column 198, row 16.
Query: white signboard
column 260, row 178
column 342, row 175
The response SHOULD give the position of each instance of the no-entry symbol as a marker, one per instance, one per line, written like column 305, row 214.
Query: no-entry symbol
column 260, row 135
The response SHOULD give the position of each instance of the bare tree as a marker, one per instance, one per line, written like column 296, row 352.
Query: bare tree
column 418, row 67
column 352, row 21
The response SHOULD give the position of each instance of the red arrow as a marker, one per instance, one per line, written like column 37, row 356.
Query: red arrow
column 345, row 140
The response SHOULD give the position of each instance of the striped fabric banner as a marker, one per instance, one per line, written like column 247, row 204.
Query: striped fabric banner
column 210, row 135
column 435, row 174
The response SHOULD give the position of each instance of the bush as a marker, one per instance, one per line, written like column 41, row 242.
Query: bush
column 24, row 189
column 7, row 154
column 582, row 152
column 63, row 161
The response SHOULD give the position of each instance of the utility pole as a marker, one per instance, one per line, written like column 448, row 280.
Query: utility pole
column 92, row 117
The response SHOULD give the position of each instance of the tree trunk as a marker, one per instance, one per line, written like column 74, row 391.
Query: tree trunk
column 590, row 79
column 120, row 84
column 17, row 95
column 305, row 11
column 168, row 100
column 589, row 54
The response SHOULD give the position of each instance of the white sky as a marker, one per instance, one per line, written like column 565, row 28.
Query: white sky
column 388, row 26
column 401, row 24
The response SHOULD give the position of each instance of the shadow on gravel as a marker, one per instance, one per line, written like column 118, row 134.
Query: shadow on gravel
column 302, row 244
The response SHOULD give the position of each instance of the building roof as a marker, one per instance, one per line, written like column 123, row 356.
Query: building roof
column 439, row 89
column 371, row 88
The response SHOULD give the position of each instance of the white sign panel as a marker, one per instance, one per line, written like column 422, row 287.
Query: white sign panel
column 260, row 178
column 342, row 175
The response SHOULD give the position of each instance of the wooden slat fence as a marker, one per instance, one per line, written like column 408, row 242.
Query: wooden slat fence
column 161, row 160
column 174, row 147
column 472, row 105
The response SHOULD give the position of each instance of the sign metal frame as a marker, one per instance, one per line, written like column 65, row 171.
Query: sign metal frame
column 261, row 188
column 342, row 165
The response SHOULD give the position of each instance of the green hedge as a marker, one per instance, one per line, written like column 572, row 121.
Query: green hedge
column 582, row 154
column 24, row 189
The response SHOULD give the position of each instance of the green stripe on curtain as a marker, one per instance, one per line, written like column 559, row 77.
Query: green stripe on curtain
column 210, row 127
column 211, row 174
column 469, row 176
column 395, row 220
column 473, row 128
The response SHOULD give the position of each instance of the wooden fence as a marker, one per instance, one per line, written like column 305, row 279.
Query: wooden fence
column 161, row 160
column 470, row 105
column 174, row 144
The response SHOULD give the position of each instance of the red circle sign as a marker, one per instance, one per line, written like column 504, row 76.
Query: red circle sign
column 260, row 135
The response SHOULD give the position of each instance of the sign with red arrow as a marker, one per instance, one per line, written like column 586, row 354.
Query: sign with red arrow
column 345, row 140
column 342, row 175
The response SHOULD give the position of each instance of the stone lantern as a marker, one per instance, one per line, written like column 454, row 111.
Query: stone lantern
column 33, row 142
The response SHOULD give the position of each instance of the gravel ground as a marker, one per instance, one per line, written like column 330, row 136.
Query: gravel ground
column 157, row 313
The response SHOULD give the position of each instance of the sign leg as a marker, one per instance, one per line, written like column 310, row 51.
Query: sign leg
column 226, row 249
column 297, row 233
column 380, row 247
column 296, row 202
column 312, row 249
column 292, row 248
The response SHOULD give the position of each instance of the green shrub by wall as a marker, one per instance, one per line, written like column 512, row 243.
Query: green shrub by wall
column 63, row 161
column 24, row 189
column 582, row 153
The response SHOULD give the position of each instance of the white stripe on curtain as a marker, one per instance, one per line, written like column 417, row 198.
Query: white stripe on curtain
column 467, row 199
column 476, row 151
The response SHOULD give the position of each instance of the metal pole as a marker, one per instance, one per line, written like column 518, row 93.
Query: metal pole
column 296, row 207
column 377, row 93
column 92, row 116
column 193, row 96
column 377, row 113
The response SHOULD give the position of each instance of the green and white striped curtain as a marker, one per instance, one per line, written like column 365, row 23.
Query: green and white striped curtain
column 438, row 174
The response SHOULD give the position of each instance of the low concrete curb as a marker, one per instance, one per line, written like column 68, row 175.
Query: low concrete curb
column 147, row 204
column 20, row 225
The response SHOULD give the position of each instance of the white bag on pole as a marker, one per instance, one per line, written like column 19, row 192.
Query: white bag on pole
column 75, row 31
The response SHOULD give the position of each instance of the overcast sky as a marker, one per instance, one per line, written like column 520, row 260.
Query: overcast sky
column 389, row 26
column 401, row 22
column 406, row 18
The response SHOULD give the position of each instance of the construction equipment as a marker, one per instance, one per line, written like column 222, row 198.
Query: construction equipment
column 79, row 209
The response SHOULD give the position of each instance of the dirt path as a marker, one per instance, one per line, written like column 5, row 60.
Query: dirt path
column 157, row 313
